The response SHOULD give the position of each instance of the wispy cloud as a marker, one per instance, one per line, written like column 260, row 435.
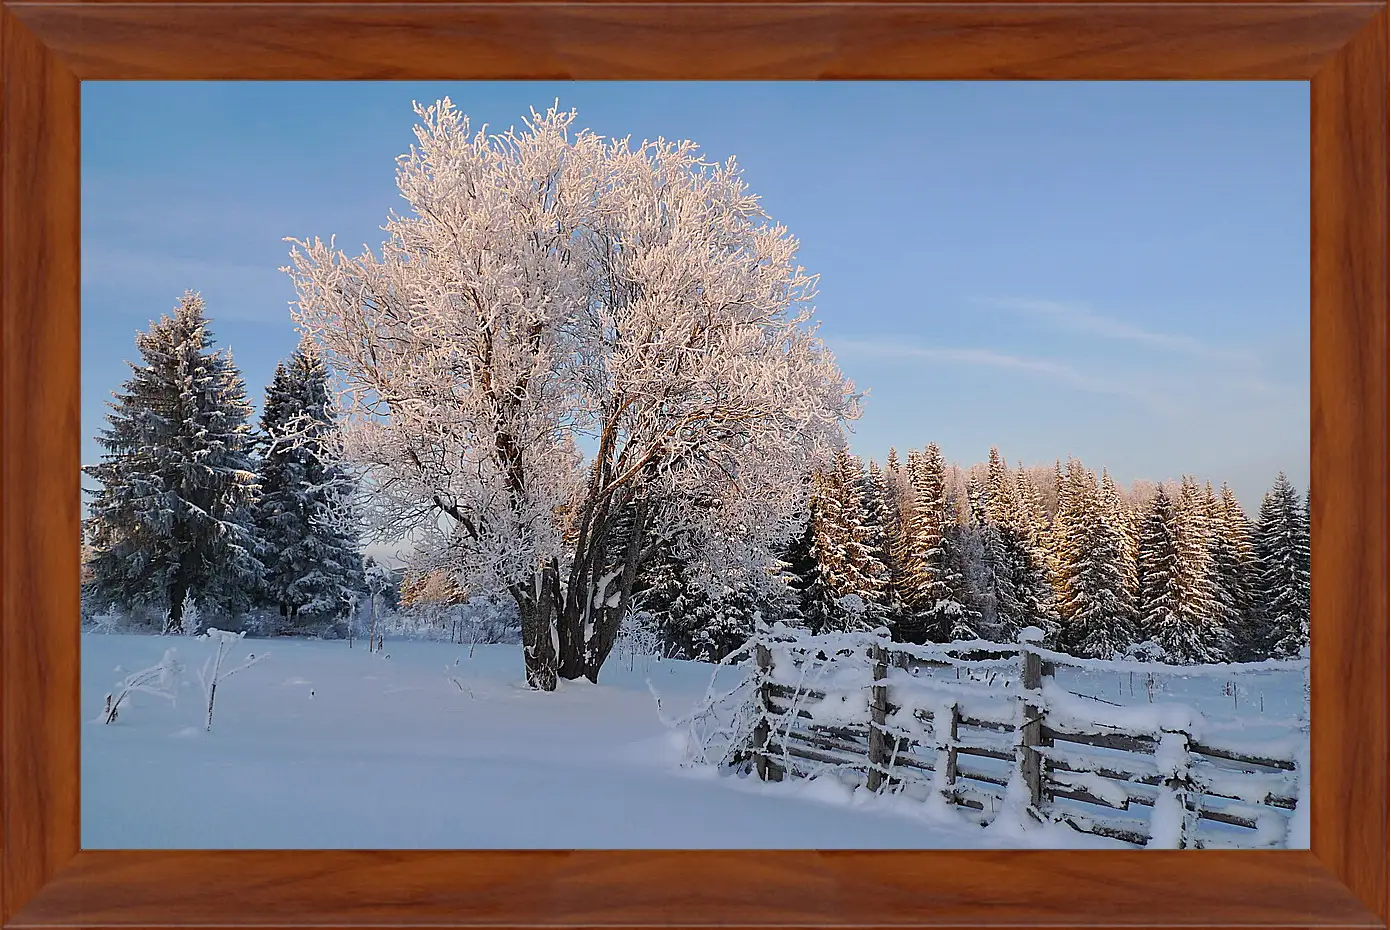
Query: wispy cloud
column 988, row 358
column 1082, row 319
column 245, row 292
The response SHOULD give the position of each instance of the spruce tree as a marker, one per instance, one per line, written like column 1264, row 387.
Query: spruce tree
column 1096, row 609
column 988, row 565
column 868, row 575
column 169, row 522
column 1033, row 582
column 826, row 565
column 838, row 554
column 881, row 529
column 938, row 574
column 1055, row 536
column 1231, row 593
column 1238, row 573
column 1033, row 516
column 664, row 591
column 313, row 558
column 1117, row 510
column 961, row 615
column 723, row 620
column 917, row 534
column 1282, row 553
column 1158, row 573
column 1208, row 634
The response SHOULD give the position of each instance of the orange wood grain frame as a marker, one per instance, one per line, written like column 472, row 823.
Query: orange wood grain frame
column 47, row 48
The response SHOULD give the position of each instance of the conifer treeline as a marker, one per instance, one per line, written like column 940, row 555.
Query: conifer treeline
column 1177, row 574
column 196, row 506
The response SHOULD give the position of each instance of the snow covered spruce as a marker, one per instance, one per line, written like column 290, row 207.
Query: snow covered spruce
column 195, row 506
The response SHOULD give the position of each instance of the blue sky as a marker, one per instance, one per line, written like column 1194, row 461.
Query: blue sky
column 1117, row 271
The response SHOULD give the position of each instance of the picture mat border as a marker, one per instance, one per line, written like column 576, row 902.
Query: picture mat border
column 48, row 48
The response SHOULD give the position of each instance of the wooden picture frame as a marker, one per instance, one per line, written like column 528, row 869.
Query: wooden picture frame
column 48, row 48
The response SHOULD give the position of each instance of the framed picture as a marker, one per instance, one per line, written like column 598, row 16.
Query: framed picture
column 956, row 634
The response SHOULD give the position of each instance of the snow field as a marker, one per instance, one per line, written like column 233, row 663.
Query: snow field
column 322, row 746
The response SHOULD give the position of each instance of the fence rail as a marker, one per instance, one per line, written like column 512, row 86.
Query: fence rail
column 878, row 709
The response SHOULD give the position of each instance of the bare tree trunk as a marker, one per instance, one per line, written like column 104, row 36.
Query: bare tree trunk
column 610, row 618
column 588, row 568
column 372, row 628
column 537, row 610
column 177, row 592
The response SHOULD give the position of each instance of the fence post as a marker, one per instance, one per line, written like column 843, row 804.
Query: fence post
column 766, row 768
column 1174, row 745
column 951, row 750
column 1031, row 732
column 878, row 714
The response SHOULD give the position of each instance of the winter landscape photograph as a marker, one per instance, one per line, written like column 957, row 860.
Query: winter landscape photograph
column 725, row 465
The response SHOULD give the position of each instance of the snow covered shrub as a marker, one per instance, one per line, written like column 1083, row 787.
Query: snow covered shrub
column 638, row 637
column 1148, row 651
column 212, row 671
column 487, row 620
column 719, row 728
column 160, row 680
column 192, row 617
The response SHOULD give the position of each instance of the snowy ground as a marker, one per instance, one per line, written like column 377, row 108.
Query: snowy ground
column 320, row 746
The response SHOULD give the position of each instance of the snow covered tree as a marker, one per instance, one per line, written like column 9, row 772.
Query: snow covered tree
column 930, row 552
column 1117, row 511
column 821, row 559
column 1234, row 561
column 663, row 590
column 1179, row 606
column 1033, row 516
column 862, row 511
column 550, row 285
column 1033, row 585
column 838, row 554
column 723, row 621
column 1097, row 611
column 1010, row 580
column 881, row 530
column 975, row 500
column 1055, row 533
column 1230, row 558
column 1282, row 554
column 1211, row 636
column 169, row 521
column 1161, row 595
column 313, row 561
column 970, row 608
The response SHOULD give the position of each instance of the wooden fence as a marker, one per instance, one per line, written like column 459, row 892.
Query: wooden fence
column 976, row 741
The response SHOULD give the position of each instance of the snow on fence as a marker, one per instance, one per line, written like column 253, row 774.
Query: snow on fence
column 1001, row 733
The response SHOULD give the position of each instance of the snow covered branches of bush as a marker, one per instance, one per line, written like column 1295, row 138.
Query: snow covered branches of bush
column 161, row 679
column 571, row 347
column 164, row 678
column 213, row 672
